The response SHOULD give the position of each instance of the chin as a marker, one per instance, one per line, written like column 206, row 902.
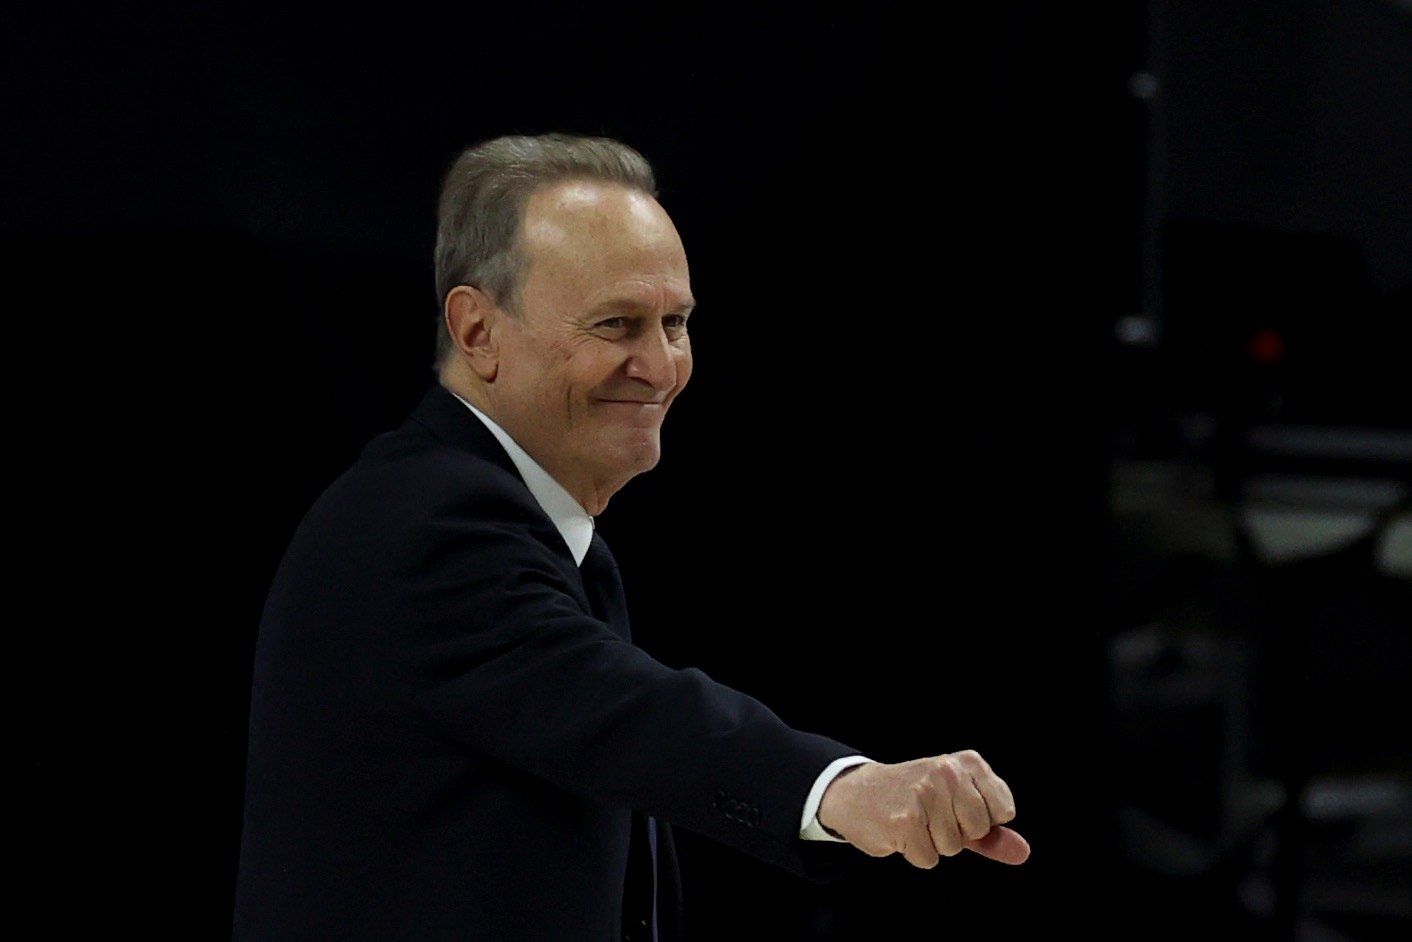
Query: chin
column 627, row 451
column 642, row 455
column 647, row 459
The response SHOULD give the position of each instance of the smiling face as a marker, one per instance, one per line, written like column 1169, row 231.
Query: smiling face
column 587, row 372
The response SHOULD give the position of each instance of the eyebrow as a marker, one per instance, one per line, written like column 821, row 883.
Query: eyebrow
column 631, row 304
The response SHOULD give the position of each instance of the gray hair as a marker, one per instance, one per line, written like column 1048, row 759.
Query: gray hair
column 483, row 199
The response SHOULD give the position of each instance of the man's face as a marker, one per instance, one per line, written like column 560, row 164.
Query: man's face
column 586, row 376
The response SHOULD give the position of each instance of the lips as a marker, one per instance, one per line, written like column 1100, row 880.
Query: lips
column 633, row 413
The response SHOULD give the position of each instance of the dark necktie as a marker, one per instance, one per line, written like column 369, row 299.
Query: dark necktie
column 604, row 587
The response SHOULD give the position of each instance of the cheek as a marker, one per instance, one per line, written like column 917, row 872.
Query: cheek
column 562, row 376
column 598, row 373
column 684, row 365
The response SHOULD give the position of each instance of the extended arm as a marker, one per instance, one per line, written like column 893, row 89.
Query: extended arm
column 510, row 666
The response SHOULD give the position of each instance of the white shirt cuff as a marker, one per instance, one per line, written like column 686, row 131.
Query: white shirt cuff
column 809, row 827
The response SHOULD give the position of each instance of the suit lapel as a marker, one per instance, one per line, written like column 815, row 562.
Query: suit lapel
column 604, row 587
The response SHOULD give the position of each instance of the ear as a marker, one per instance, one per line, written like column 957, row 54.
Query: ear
column 471, row 317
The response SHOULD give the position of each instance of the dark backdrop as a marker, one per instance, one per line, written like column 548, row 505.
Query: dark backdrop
column 910, row 237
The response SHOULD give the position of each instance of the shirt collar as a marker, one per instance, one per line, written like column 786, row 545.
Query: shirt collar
column 568, row 515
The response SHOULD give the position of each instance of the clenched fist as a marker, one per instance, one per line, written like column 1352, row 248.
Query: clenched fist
column 925, row 809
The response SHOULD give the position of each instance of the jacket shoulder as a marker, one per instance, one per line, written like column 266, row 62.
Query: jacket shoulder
column 406, row 478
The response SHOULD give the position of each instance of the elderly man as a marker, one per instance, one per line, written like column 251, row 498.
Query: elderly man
column 452, row 734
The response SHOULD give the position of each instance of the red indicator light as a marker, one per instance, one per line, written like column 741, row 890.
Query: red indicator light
column 1267, row 346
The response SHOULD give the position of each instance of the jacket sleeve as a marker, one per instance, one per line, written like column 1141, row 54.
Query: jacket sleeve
column 505, row 660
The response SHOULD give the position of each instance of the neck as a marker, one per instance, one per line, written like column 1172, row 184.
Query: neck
column 591, row 495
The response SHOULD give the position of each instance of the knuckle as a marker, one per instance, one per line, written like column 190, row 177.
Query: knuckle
column 906, row 818
column 945, row 769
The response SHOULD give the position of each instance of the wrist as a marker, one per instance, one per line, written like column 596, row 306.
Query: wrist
column 819, row 815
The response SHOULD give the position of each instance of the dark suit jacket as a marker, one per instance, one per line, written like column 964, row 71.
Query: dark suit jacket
column 445, row 743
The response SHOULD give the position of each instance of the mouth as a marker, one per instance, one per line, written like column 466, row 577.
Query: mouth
column 633, row 413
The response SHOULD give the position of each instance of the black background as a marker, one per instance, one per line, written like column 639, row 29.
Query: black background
column 881, row 503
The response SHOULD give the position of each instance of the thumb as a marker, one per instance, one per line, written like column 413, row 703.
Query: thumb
column 1001, row 844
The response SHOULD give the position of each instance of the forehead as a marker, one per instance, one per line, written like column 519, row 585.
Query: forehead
column 584, row 238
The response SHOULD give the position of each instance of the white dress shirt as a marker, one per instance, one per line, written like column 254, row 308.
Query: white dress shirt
column 576, row 526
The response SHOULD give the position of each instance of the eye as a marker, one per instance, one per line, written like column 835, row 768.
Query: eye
column 677, row 321
column 611, row 322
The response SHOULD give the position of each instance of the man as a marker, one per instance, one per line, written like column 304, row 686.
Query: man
column 452, row 734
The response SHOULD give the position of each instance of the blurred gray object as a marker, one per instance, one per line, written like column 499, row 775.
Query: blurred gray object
column 1260, row 665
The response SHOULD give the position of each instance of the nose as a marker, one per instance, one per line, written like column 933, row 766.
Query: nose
column 654, row 360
